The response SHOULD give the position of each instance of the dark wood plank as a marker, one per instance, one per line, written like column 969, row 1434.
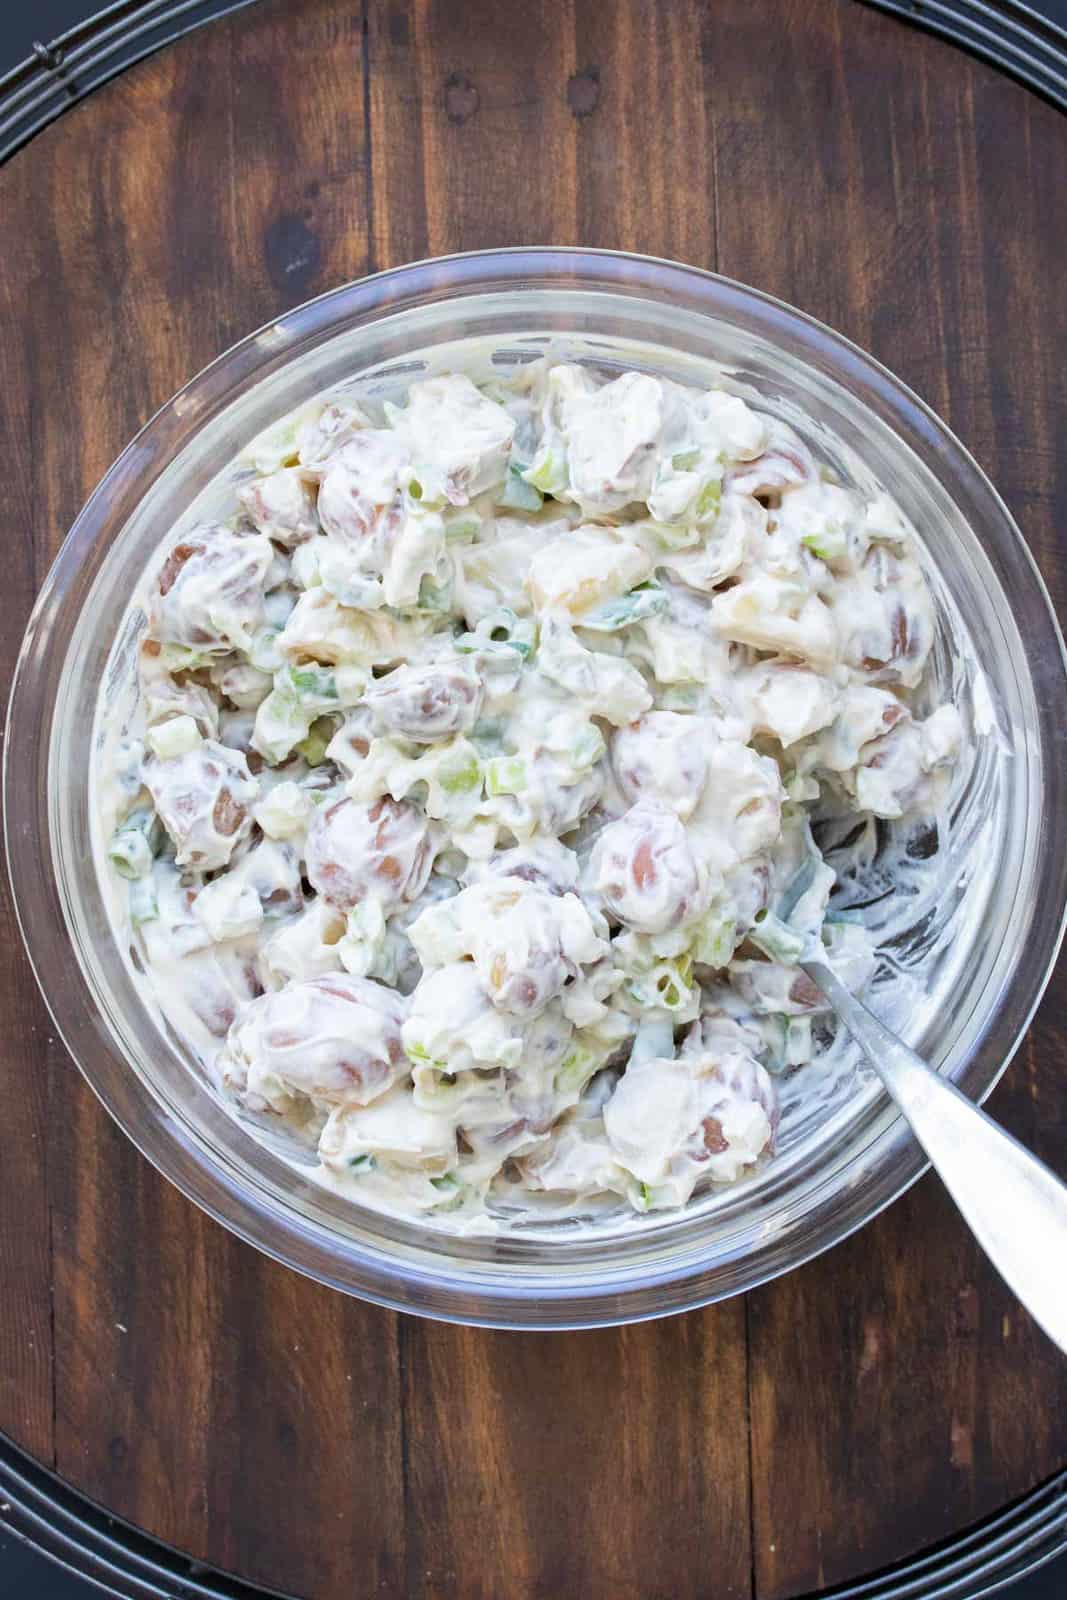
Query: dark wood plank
column 26, row 1378
column 610, row 1462
column 196, row 1382
column 645, row 175
column 127, row 273
column 899, row 1361
column 224, row 1403
column 296, row 161
column 471, row 138
column 500, row 126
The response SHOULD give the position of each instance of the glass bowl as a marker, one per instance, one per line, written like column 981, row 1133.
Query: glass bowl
column 970, row 959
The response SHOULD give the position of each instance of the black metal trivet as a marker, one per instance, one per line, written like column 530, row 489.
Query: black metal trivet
column 59, row 72
column 1029, row 44
column 38, row 1506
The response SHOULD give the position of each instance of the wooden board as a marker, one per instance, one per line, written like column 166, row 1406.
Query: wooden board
column 873, row 1402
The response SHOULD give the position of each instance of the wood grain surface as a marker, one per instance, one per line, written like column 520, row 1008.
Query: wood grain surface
column 873, row 1402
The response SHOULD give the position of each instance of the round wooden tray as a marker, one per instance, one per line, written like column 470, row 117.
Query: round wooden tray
column 871, row 1404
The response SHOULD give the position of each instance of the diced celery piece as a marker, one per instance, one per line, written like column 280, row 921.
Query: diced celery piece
column 313, row 682
column 686, row 460
column 500, row 625
column 144, row 906
column 174, row 737
column 773, row 1030
column 313, row 748
column 505, row 775
column 277, row 445
column 650, row 1196
column 134, row 843
column 778, row 941
column 498, row 632
column 451, row 1189
column 629, row 608
column 280, row 723
column 463, row 522
column 523, row 637
column 497, row 390
column 788, row 1041
column 180, row 658
column 708, row 499
column 679, row 697
column 797, row 1040
column 518, row 493
column 685, row 967
column 487, row 735
column 419, row 1056
column 304, row 565
column 666, row 986
column 351, row 681
column 435, row 596
column 438, row 1089
column 829, row 544
column 460, row 772
column 263, row 652
column 577, row 1068
column 588, row 748
column 714, row 940
column 671, row 536
column 283, row 811
column 549, row 470
column 427, row 492
column 130, row 856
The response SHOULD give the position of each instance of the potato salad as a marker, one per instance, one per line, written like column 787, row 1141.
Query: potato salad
column 470, row 821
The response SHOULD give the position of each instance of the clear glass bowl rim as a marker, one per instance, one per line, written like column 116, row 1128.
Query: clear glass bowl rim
column 465, row 1293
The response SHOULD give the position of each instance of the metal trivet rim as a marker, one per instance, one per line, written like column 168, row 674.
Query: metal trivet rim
column 1015, row 37
column 39, row 1507
column 60, row 72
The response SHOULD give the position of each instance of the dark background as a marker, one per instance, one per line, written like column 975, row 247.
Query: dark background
column 25, row 1575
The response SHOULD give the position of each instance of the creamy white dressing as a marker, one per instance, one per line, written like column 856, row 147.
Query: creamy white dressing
column 466, row 828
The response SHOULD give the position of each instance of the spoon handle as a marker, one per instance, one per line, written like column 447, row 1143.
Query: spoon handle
column 1015, row 1207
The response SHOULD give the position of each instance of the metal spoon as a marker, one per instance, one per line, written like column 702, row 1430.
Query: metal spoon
column 1015, row 1207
